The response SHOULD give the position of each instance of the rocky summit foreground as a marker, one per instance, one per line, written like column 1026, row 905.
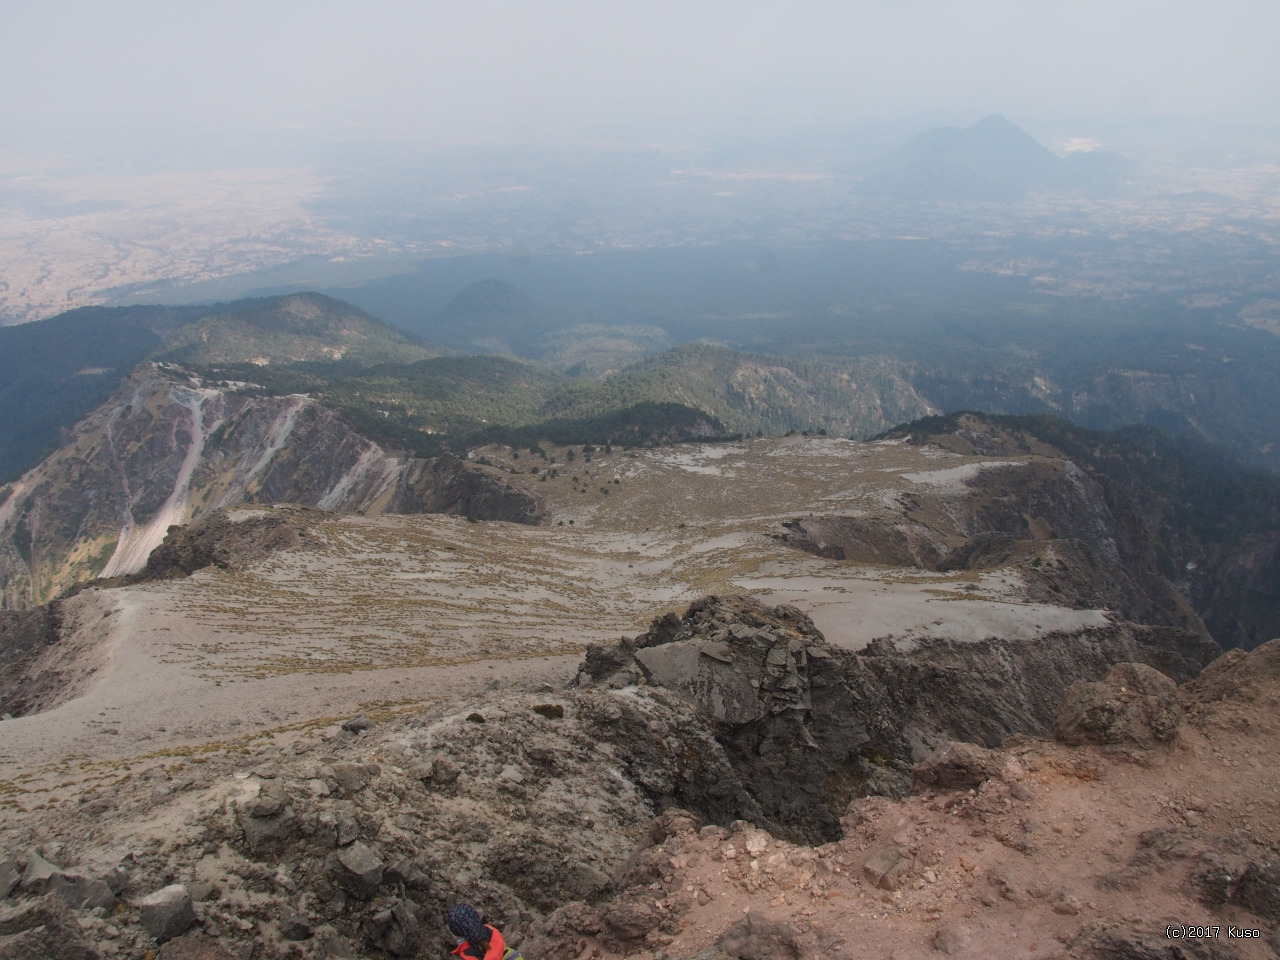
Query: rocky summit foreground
column 843, row 718
column 1151, row 805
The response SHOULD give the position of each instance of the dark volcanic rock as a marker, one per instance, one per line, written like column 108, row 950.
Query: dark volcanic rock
column 449, row 485
column 45, row 930
column 218, row 541
column 167, row 913
column 807, row 726
column 957, row 766
column 359, row 870
column 757, row 938
column 38, row 873
column 1120, row 942
column 9, row 877
column 1236, row 675
column 81, row 893
column 24, row 636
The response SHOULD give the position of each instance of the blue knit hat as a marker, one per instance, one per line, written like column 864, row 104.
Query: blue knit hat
column 465, row 922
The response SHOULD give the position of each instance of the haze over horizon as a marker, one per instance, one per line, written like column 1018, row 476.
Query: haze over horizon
column 152, row 152
column 249, row 79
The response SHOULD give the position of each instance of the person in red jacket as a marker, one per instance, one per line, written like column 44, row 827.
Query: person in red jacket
column 476, row 939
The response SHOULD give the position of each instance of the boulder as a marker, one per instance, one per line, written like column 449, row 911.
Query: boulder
column 10, row 876
column 359, row 870
column 267, row 819
column 956, row 766
column 756, row 938
column 294, row 926
column 354, row 777
column 563, row 934
column 394, row 929
column 261, row 833
column 1259, row 890
column 194, row 946
column 950, row 939
column 672, row 823
column 81, row 893
column 45, row 930
column 37, row 874
column 632, row 915
column 167, row 913
column 1134, row 705
column 884, row 867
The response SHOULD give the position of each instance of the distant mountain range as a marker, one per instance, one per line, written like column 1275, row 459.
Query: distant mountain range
column 305, row 399
column 53, row 372
column 991, row 160
column 846, row 374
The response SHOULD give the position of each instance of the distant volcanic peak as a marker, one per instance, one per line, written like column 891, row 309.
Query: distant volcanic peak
column 994, row 136
column 993, row 159
column 491, row 297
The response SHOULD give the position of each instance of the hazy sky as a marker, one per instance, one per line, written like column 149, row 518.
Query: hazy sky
column 493, row 68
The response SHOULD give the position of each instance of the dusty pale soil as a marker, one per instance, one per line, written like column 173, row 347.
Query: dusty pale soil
column 182, row 699
column 391, row 611
column 1019, row 869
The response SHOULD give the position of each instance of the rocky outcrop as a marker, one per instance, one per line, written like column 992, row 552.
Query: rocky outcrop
column 449, row 485
column 1047, row 518
column 1235, row 676
column 45, row 930
column 956, row 766
column 169, row 449
column 1183, row 516
column 226, row 539
column 614, row 820
column 1132, row 705
column 24, row 636
column 808, row 726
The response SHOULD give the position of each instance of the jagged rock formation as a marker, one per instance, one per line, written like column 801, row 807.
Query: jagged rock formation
column 517, row 804
column 446, row 484
column 1181, row 517
column 228, row 539
column 613, row 820
column 169, row 448
column 809, row 726
column 1132, row 704
column 24, row 636
column 1047, row 518
column 1033, row 849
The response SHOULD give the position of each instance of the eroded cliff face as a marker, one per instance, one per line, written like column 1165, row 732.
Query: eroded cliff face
column 1046, row 517
column 1180, row 519
column 808, row 726
column 169, row 449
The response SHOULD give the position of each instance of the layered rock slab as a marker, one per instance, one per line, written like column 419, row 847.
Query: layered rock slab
column 809, row 726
